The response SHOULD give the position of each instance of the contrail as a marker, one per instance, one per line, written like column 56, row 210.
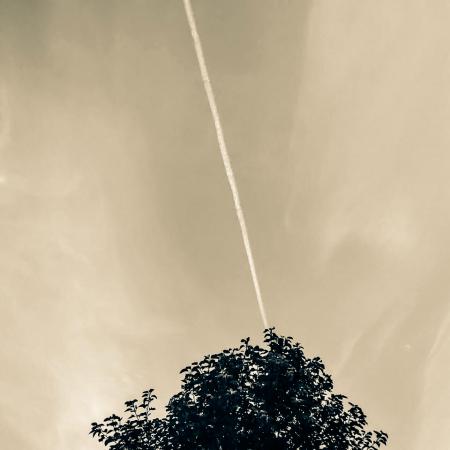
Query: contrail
column 225, row 157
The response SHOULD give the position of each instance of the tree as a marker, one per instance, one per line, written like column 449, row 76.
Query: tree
column 248, row 398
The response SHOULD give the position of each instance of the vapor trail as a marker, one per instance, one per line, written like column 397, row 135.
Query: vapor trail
column 225, row 157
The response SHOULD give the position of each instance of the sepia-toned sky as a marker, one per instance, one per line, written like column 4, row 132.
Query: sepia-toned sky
column 121, row 258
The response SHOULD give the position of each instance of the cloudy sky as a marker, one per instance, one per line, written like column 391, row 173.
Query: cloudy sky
column 121, row 258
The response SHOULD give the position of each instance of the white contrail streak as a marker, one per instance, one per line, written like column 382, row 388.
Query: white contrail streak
column 225, row 157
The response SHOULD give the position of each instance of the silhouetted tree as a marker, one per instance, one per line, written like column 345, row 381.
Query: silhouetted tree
column 248, row 398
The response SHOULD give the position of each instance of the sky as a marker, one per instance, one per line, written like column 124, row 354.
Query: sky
column 122, row 259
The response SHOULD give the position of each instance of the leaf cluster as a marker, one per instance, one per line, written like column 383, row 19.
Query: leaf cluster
column 249, row 397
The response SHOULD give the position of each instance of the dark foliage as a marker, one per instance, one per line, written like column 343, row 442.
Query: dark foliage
column 248, row 398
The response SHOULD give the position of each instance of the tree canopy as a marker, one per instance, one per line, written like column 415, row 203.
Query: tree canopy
column 249, row 398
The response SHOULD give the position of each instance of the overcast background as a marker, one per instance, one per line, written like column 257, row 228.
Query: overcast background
column 121, row 259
